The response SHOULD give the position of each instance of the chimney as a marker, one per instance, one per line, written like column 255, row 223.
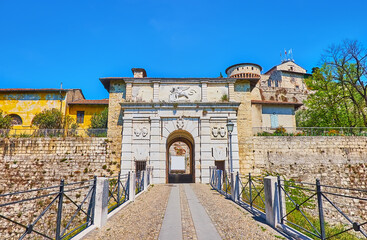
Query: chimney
column 139, row 72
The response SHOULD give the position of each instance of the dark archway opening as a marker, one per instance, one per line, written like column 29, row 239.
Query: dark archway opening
column 180, row 166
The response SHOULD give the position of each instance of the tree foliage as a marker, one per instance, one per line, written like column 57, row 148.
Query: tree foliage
column 99, row 120
column 339, row 97
column 52, row 119
column 5, row 121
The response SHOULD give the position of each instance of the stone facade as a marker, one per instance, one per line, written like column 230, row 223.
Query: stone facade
column 144, row 114
column 28, row 163
column 161, row 108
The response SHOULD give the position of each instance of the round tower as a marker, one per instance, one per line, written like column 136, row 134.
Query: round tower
column 244, row 70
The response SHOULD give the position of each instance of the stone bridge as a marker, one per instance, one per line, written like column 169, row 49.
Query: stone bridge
column 183, row 211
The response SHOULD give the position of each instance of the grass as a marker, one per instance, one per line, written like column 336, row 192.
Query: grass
column 298, row 196
column 74, row 233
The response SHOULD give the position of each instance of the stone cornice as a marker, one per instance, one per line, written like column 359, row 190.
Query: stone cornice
column 179, row 105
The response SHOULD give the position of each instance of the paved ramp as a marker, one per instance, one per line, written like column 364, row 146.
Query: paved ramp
column 183, row 211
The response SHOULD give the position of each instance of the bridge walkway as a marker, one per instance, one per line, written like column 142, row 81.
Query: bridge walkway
column 183, row 211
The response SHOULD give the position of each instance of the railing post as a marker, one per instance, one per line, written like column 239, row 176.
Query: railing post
column 118, row 188
column 59, row 210
column 92, row 202
column 101, row 202
column 250, row 188
column 236, row 189
column 132, row 186
column 219, row 180
column 272, row 207
column 145, row 175
column 321, row 210
column 280, row 202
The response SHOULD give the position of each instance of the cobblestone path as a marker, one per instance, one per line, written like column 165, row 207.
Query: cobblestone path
column 202, row 212
column 141, row 219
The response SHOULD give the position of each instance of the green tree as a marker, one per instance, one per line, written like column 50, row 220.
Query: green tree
column 339, row 97
column 52, row 119
column 99, row 120
column 5, row 121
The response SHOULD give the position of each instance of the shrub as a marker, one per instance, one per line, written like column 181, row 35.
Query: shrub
column 5, row 121
column 224, row 98
column 280, row 130
column 99, row 120
column 52, row 119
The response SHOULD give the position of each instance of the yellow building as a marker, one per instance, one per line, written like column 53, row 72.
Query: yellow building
column 83, row 110
column 23, row 104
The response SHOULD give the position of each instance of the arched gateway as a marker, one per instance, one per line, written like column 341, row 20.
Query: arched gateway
column 180, row 158
column 178, row 125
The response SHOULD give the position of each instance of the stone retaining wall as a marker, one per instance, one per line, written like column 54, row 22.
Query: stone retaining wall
column 336, row 161
column 27, row 163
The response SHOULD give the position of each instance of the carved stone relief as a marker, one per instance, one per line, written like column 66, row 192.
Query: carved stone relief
column 180, row 123
column 218, row 132
column 141, row 131
column 178, row 93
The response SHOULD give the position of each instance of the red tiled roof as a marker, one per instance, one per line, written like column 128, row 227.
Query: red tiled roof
column 276, row 102
column 34, row 89
column 94, row 102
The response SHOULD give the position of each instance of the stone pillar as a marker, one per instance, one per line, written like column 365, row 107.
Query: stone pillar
column 101, row 202
column 156, row 91
column 235, row 186
column 271, row 201
column 154, row 149
column 206, row 150
column 129, row 91
column 231, row 95
column 145, row 174
column 126, row 146
column 235, row 148
column 204, row 91
column 132, row 186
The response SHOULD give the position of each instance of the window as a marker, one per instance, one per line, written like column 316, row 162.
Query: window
column 80, row 116
column 274, row 120
column 16, row 119
column 140, row 166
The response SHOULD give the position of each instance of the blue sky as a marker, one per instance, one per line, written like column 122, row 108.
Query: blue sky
column 44, row 43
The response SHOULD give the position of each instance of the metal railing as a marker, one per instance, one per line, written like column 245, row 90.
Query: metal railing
column 27, row 133
column 310, row 131
column 220, row 181
column 118, row 190
column 139, row 182
column 305, row 209
column 251, row 191
column 72, row 205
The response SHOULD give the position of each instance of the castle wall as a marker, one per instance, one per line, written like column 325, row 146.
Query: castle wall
column 335, row 160
column 28, row 163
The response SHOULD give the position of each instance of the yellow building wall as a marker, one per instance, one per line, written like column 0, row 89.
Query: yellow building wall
column 27, row 105
column 89, row 110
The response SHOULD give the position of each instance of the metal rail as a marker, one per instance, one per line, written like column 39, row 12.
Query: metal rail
column 118, row 190
column 307, row 199
column 74, row 210
column 31, row 132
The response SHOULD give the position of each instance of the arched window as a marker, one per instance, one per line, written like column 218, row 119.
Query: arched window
column 16, row 119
